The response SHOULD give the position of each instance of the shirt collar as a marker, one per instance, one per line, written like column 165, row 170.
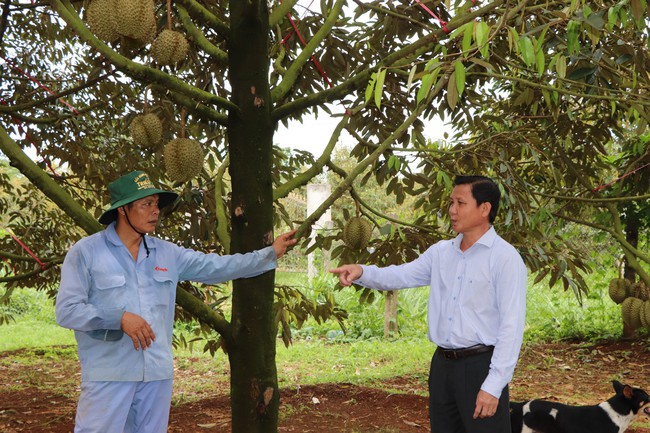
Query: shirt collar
column 114, row 238
column 487, row 239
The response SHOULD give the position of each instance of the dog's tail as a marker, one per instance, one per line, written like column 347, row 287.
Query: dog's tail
column 517, row 416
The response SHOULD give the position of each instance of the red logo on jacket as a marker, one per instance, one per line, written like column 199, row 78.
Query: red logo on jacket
column 158, row 268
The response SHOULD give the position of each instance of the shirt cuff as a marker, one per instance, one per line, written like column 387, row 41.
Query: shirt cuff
column 492, row 386
column 113, row 318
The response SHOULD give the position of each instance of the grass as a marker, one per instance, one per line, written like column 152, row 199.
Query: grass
column 322, row 353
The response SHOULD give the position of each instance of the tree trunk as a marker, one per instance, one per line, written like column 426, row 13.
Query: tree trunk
column 253, row 383
column 631, row 236
column 390, row 314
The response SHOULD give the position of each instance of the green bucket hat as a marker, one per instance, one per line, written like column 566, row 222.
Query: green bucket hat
column 132, row 187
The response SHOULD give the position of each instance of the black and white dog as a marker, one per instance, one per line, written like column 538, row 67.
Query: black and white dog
column 612, row 416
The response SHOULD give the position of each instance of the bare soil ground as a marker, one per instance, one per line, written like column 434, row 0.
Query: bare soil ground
column 40, row 395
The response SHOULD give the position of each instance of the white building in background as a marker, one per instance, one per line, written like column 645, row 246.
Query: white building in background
column 316, row 195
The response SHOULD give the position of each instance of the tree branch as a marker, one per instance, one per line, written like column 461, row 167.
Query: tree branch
column 388, row 12
column 293, row 72
column 135, row 70
column 304, row 177
column 278, row 14
column 204, row 314
column 399, row 58
column 353, row 191
column 19, row 107
column 31, row 274
column 84, row 220
column 20, row 258
column 207, row 17
column 631, row 253
column 346, row 184
column 596, row 201
column 220, row 57
column 43, row 182
column 193, row 106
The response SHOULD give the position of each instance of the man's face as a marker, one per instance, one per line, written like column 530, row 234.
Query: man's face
column 464, row 212
column 144, row 213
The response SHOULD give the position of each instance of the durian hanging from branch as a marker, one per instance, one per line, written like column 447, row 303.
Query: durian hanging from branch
column 146, row 129
column 170, row 46
column 183, row 156
column 357, row 231
column 133, row 22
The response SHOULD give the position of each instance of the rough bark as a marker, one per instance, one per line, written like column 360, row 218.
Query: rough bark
column 254, row 385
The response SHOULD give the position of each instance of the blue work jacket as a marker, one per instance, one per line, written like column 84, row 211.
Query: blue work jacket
column 100, row 281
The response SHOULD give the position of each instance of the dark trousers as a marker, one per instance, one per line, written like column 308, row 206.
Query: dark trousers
column 453, row 387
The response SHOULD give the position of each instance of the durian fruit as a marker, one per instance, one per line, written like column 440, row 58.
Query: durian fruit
column 644, row 314
column 133, row 18
column 101, row 20
column 631, row 312
column 618, row 289
column 146, row 130
column 356, row 233
column 170, row 47
column 129, row 46
column 183, row 159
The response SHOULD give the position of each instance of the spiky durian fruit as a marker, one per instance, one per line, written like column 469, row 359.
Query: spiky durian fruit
column 146, row 130
column 618, row 289
column 169, row 47
column 133, row 18
column 631, row 312
column 183, row 159
column 356, row 233
column 644, row 314
column 100, row 18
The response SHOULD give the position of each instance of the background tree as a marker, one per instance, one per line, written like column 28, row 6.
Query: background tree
column 541, row 94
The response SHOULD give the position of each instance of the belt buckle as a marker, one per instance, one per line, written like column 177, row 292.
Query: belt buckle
column 451, row 354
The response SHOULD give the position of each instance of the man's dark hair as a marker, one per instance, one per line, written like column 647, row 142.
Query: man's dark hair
column 483, row 190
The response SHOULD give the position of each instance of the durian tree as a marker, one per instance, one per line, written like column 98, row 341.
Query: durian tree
column 543, row 96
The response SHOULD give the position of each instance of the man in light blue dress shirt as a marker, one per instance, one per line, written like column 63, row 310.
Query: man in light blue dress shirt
column 117, row 292
column 476, row 311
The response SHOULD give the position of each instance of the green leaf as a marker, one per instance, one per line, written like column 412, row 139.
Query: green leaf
column 579, row 73
column 459, row 73
column 452, row 92
column 527, row 50
column 560, row 66
column 541, row 64
column 427, row 82
column 482, row 63
column 379, row 87
column 573, row 33
column 482, row 30
column 467, row 37
column 612, row 18
column 410, row 79
column 513, row 36
column 371, row 85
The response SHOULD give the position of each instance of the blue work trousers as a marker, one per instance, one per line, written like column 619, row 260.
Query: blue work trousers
column 124, row 407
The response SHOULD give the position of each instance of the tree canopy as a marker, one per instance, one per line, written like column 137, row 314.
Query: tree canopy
column 549, row 98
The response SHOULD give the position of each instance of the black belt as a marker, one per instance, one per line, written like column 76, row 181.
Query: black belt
column 464, row 353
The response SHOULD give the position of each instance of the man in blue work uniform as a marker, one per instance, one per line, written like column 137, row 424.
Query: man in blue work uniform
column 118, row 290
column 477, row 307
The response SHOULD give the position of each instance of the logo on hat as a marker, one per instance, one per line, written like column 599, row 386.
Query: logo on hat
column 143, row 182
